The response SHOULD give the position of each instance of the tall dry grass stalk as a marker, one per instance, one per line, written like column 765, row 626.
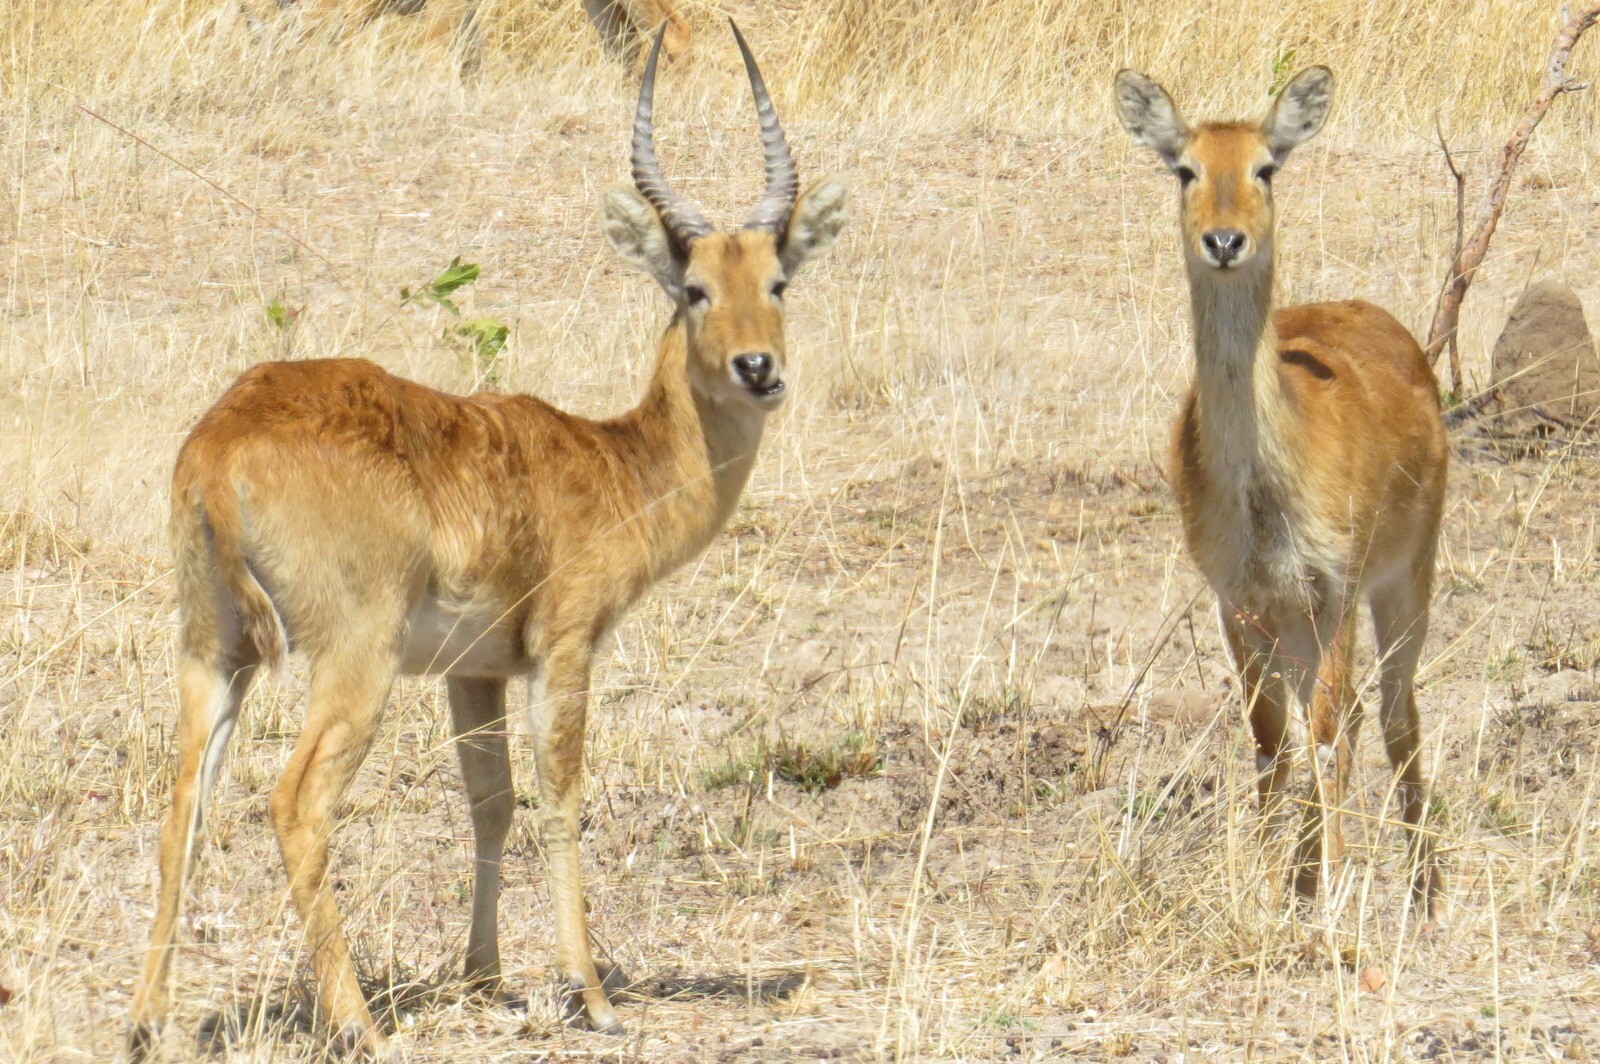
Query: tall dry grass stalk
column 1007, row 63
column 858, row 781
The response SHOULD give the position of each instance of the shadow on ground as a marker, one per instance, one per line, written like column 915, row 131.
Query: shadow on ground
column 291, row 1009
column 734, row 985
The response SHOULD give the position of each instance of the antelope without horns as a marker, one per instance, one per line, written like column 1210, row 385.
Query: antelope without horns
column 620, row 23
column 623, row 23
column 381, row 527
column 1309, row 462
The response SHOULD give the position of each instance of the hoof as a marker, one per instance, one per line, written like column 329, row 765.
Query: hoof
column 142, row 1041
column 366, row 1043
column 584, row 1012
column 579, row 1019
column 494, row 995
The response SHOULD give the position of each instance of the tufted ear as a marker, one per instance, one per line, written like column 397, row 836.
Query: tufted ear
column 1299, row 111
column 635, row 229
column 1149, row 114
column 815, row 223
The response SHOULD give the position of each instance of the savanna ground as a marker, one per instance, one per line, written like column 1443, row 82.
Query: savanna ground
column 936, row 753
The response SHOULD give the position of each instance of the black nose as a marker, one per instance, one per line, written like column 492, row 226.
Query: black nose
column 1225, row 245
column 753, row 370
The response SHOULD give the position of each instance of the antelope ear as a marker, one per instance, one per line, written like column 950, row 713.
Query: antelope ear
column 1149, row 114
column 1299, row 111
column 635, row 229
column 819, row 216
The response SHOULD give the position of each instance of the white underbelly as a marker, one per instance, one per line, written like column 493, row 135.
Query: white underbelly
column 464, row 639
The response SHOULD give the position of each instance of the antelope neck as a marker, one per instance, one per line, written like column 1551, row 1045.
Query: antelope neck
column 1243, row 415
column 692, row 455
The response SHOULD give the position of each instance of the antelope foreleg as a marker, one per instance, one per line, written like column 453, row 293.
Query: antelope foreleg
column 560, row 798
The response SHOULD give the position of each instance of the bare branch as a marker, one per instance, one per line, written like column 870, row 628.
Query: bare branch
column 1469, row 256
column 1460, row 180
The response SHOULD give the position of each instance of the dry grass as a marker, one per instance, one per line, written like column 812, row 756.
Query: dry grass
column 852, row 788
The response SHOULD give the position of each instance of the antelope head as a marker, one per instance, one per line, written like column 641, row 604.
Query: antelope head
column 1224, row 169
column 728, row 286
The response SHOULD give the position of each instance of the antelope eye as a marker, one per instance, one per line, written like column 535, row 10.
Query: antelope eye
column 1264, row 175
column 695, row 294
column 1185, row 176
column 778, row 288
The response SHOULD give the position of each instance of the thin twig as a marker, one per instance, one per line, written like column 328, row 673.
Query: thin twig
column 264, row 219
column 1460, row 180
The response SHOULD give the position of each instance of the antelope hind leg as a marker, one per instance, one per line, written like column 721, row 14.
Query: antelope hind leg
column 347, row 696
column 209, row 698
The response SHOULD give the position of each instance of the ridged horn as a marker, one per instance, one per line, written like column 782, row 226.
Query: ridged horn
column 681, row 217
column 783, row 180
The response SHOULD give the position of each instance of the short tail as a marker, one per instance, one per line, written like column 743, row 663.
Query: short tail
column 218, row 511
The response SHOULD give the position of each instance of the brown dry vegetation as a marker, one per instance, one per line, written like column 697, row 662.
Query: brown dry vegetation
column 936, row 753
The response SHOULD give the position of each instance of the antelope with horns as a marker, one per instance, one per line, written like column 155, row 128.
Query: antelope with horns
column 382, row 528
column 1309, row 462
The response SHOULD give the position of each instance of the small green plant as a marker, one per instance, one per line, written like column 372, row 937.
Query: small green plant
column 455, row 276
column 812, row 768
column 279, row 315
column 818, row 769
column 485, row 337
column 1143, row 806
column 1506, row 665
column 1282, row 68
column 984, row 708
column 883, row 517
column 734, row 770
column 1501, row 814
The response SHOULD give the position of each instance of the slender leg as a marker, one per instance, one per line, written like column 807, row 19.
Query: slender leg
column 1335, row 718
column 469, row 39
column 1400, row 620
column 348, row 691
column 209, row 697
column 478, row 711
column 646, row 15
column 616, row 30
column 560, row 757
column 1266, row 701
column 456, row 21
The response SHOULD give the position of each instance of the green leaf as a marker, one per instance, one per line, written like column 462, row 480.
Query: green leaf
column 487, row 336
column 279, row 315
column 1282, row 67
column 488, row 339
column 456, row 275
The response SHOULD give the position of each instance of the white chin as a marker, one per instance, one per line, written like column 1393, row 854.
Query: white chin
column 772, row 399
